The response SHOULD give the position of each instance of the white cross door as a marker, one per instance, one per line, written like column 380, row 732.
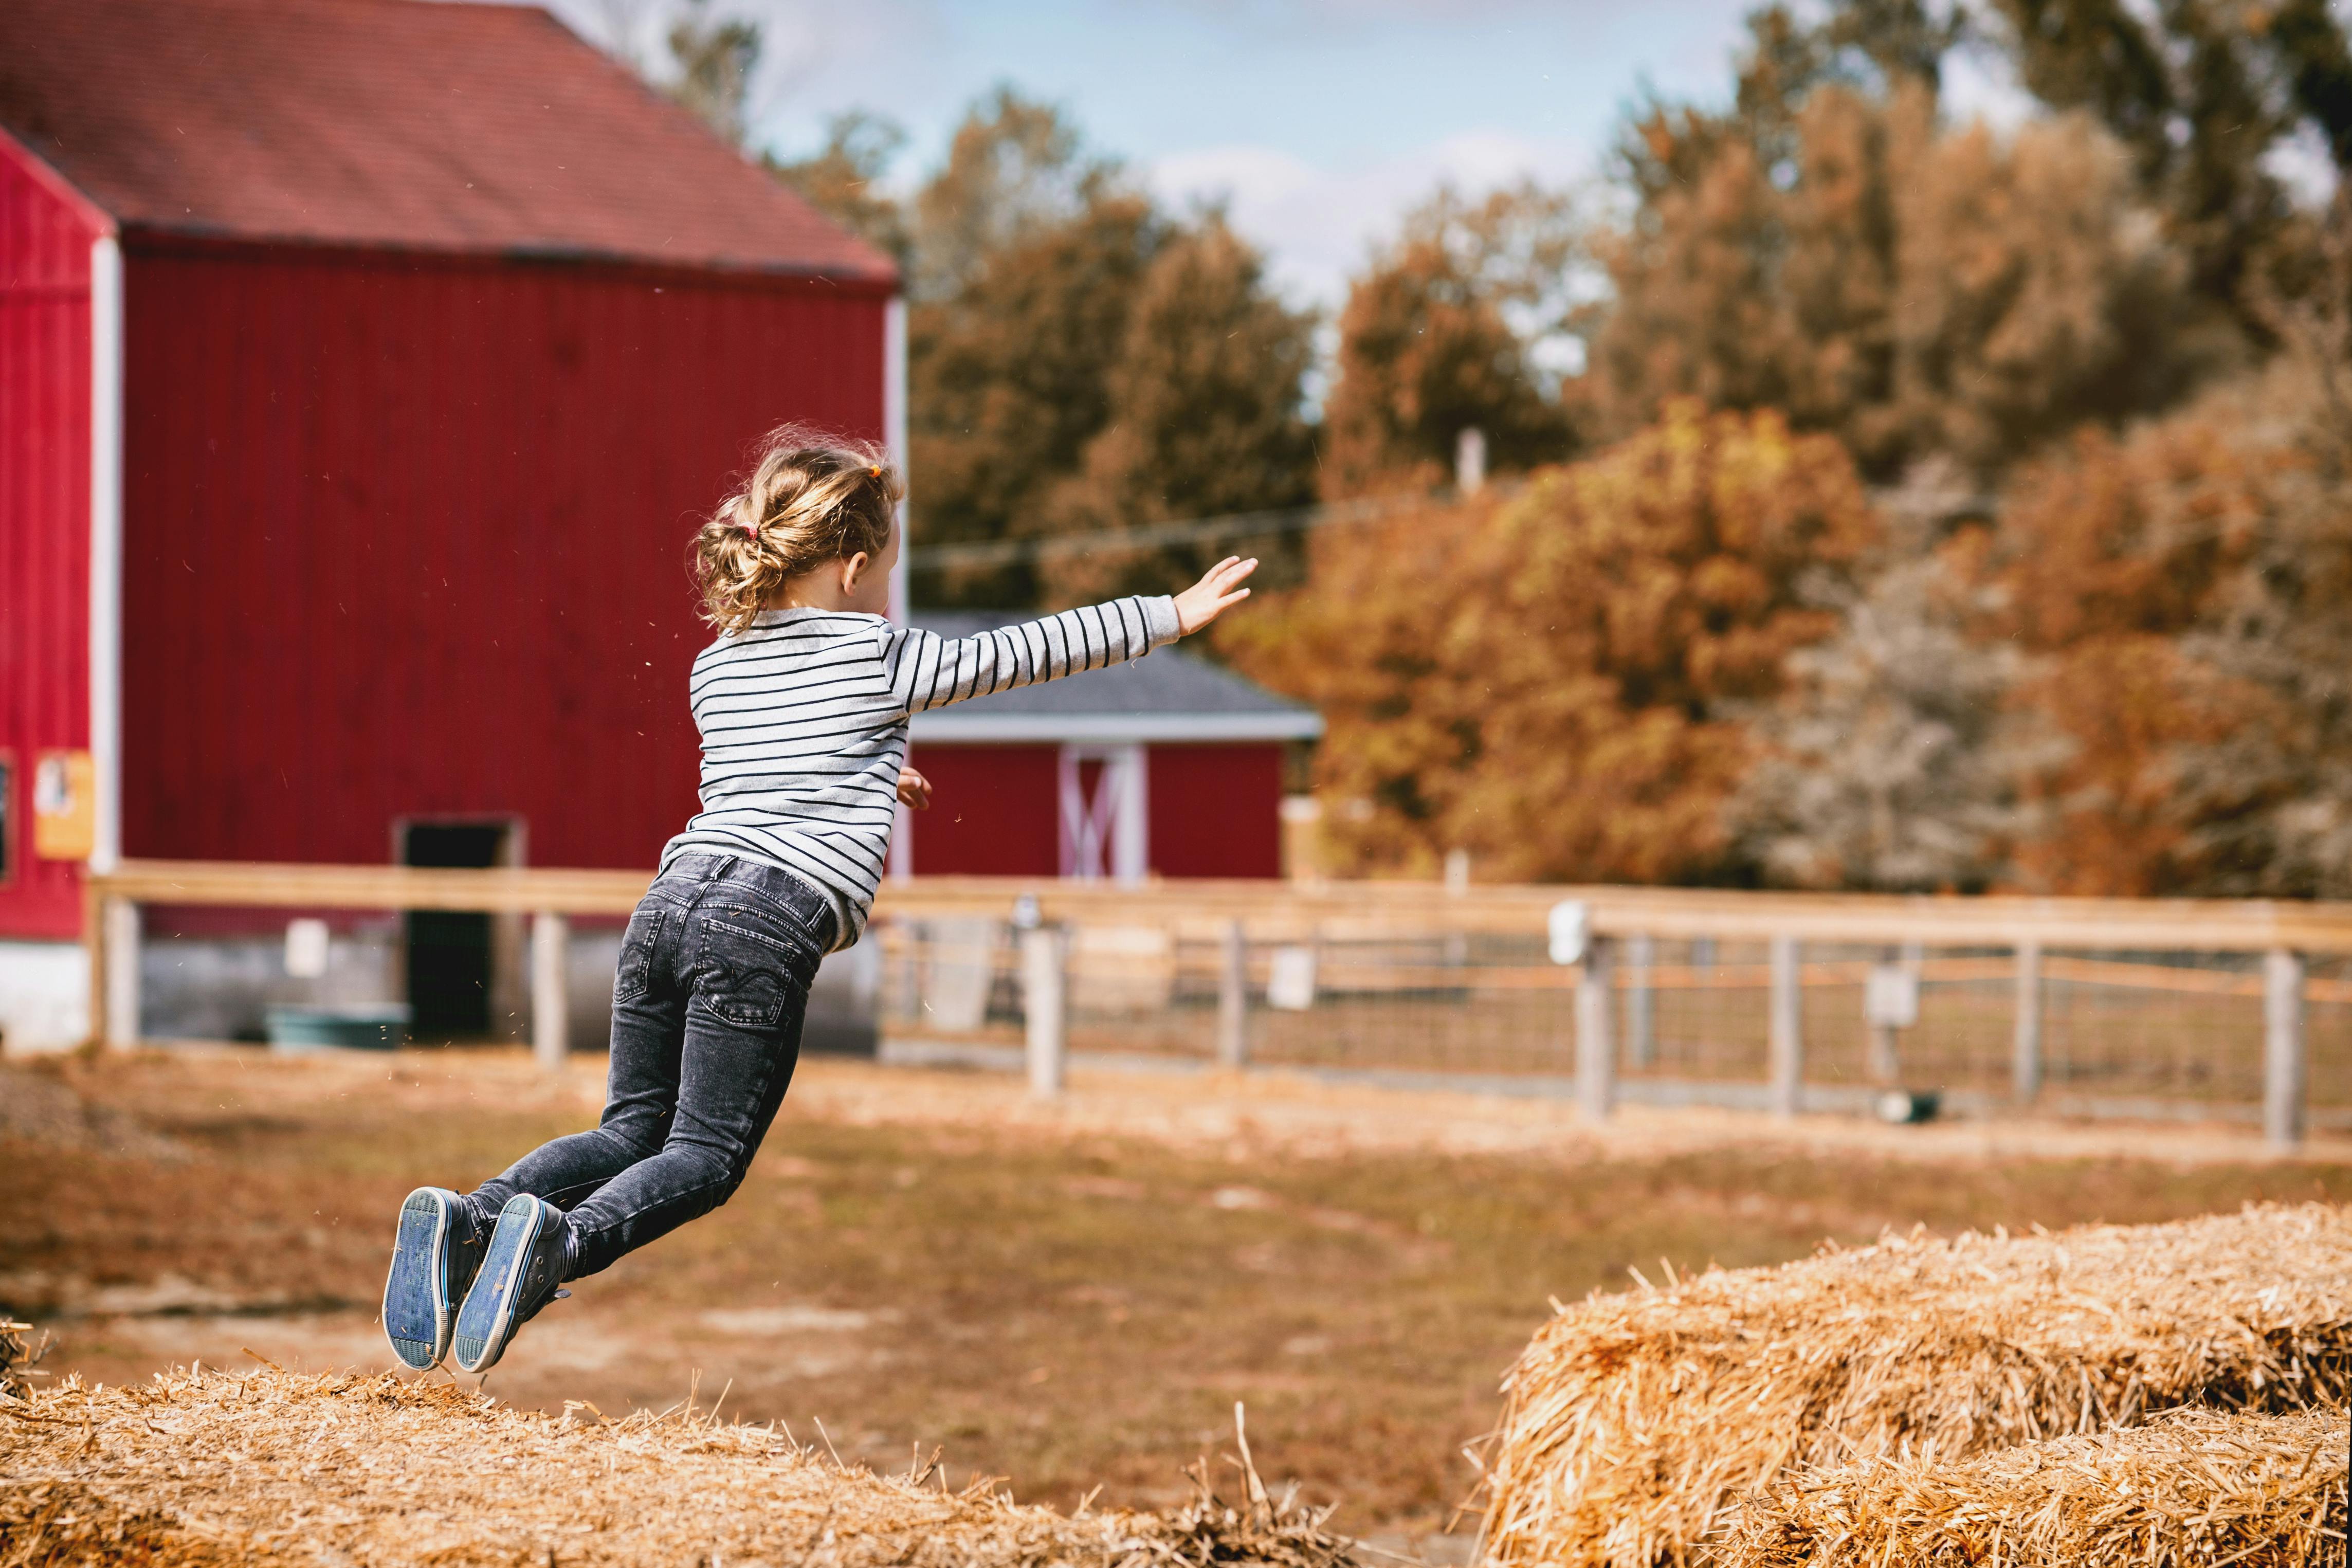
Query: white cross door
column 1105, row 814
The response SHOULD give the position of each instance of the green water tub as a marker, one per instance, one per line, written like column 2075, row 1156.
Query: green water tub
column 373, row 1027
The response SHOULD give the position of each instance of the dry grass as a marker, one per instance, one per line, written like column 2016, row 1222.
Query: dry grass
column 1635, row 1424
column 2194, row 1486
column 200, row 1468
column 1071, row 1295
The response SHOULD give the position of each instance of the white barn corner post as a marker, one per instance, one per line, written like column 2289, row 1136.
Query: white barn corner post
column 115, row 958
column 2285, row 1072
column 894, row 438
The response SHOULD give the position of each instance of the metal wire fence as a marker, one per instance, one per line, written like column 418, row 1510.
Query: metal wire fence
column 2098, row 1031
column 2182, row 1008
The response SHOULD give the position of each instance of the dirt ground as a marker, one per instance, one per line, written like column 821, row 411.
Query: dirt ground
column 1070, row 1295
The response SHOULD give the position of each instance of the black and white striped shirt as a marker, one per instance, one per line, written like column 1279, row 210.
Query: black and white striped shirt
column 803, row 719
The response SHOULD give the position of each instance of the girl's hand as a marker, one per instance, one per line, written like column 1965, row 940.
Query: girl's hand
column 1209, row 597
column 915, row 790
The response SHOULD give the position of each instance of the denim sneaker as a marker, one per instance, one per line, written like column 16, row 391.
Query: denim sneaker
column 519, row 1273
column 435, row 1253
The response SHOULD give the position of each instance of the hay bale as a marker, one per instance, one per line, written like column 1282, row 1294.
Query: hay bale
column 2194, row 1486
column 203, row 1467
column 1635, row 1423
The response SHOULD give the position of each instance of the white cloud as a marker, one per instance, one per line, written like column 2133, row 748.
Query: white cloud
column 1317, row 225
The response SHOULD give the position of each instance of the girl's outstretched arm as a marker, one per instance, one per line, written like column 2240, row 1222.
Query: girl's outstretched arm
column 927, row 671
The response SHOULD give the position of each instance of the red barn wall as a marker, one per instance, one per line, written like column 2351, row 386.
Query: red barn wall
column 1216, row 810
column 404, row 537
column 44, row 520
column 995, row 812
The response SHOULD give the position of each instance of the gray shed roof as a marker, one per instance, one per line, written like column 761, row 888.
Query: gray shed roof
column 1167, row 696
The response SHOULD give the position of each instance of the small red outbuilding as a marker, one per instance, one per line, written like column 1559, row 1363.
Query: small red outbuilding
column 1168, row 766
column 360, row 363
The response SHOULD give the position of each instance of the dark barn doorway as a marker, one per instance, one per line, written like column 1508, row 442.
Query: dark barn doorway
column 451, row 968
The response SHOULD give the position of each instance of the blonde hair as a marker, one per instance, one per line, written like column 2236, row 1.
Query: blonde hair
column 811, row 498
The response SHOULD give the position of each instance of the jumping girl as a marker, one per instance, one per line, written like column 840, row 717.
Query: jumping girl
column 802, row 704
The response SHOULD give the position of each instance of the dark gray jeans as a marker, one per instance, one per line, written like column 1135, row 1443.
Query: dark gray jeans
column 707, row 1010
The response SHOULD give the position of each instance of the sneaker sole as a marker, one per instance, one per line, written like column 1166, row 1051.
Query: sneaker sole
column 482, row 1334
column 419, row 1256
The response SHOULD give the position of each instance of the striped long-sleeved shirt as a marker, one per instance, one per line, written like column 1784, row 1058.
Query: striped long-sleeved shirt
column 803, row 719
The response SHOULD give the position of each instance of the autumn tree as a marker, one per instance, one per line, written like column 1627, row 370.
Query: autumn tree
column 1910, row 289
column 2108, row 555
column 1546, row 681
column 1887, row 763
column 715, row 57
column 2202, row 92
column 1440, row 334
column 1011, row 379
column 1014, row 169
column 2270, row 800
column 843, row 179
column 1204, row 415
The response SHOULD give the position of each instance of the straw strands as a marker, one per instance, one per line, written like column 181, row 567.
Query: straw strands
column 1635, row 1424
column 2194, row 1486
column 203, row 1468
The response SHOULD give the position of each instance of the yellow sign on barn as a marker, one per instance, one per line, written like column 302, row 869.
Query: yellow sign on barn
column 65, row 805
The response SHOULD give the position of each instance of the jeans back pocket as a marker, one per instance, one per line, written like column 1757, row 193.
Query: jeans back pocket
column 748, row 977
column 635, row 974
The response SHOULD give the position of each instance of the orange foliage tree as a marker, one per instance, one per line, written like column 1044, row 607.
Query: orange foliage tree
column 2108, row 556
column 1439, row 335
column 1540, row 679
column 1912, row 288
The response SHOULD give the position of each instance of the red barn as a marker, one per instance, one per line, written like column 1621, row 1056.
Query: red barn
column 361, row 361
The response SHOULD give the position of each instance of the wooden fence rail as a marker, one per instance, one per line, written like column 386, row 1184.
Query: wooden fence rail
column 1624, row 924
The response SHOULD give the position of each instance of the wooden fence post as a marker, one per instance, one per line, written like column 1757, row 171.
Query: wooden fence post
column 551, row 1012
column 122, row 977
column 1885, row 1062
column 1640, row 1002
column 1786, row 1036
column 1044, row 996
column 1232, row 1001
column 1596, row 1055
column 2283, row 1057
column 2025, row 1063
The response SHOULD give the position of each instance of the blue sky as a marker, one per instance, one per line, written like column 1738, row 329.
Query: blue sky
column 1317, row 121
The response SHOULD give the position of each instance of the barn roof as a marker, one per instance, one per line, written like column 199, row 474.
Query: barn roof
column 457, row 127
column 1169, row 696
